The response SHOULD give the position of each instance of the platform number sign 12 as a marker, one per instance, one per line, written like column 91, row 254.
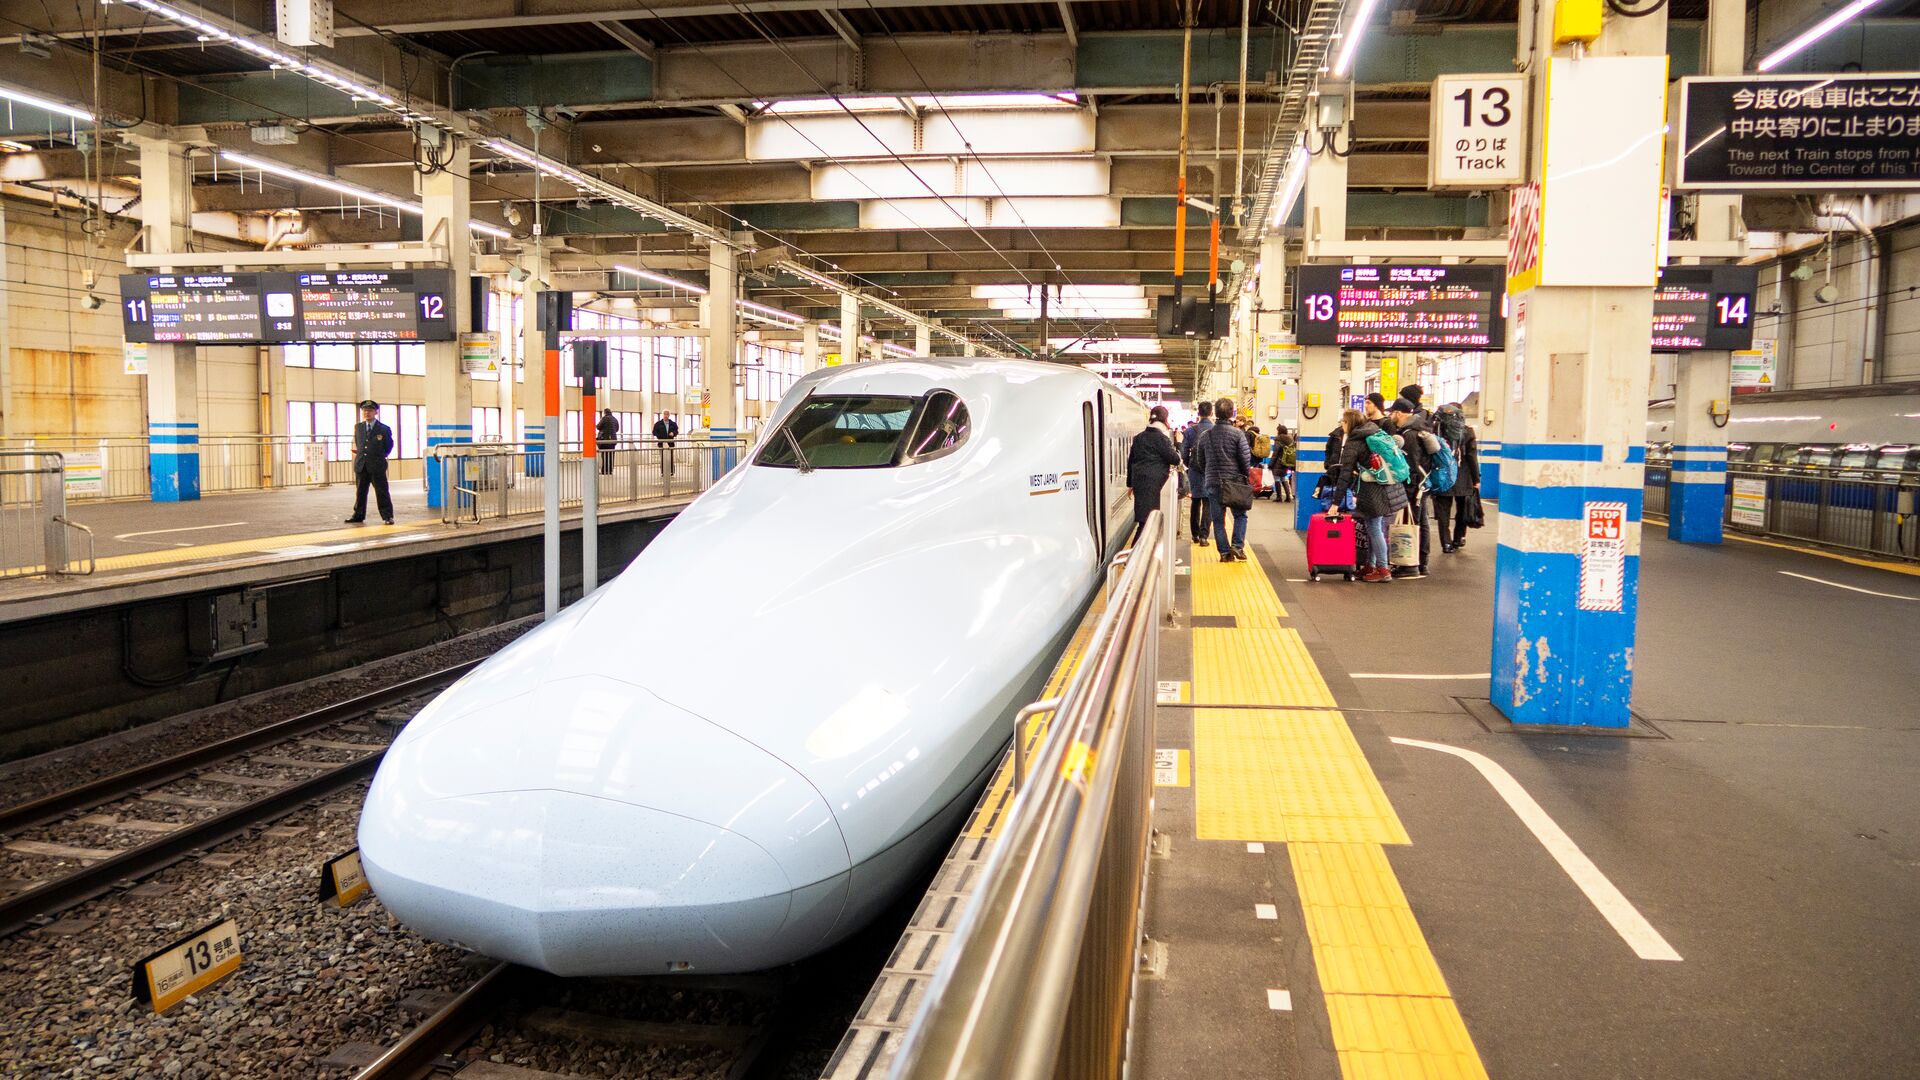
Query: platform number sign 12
column 1477, row 131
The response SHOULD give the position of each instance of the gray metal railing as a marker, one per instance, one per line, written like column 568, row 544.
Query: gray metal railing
column 34, row 528
column 487, row 480
column 227, row 462
column 1869, row 510
column 1039, row 978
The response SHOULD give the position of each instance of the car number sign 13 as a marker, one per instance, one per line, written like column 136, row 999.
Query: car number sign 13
column 187, row 966
column 1477, row 131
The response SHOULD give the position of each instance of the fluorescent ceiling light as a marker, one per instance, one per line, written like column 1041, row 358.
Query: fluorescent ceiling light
column 1296, row 179
column 1064, row 100
column 1139, row 367
column 352, row 191
column 1355, row 31
column 1027, row 294
column 897, row 350
column 21, row 97
column 660, row 279
column 1812, row 34
column 1068, row 311
column 772, row 314
column 11, row 147
column 1145, row 346
column 810, row 106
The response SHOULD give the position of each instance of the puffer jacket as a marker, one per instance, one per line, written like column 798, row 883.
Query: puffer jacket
column 1223, row 452
column 1372, row 500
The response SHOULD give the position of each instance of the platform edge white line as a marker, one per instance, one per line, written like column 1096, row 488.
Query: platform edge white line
column 1613, row 906
column 1849, row 588
column 1426, row 678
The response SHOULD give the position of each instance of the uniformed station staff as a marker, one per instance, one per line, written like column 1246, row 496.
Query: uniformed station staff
column 372, row 443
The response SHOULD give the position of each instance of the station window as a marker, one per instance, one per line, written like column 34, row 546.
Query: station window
column 384, row 359
column 666, row 359
column 486, row 424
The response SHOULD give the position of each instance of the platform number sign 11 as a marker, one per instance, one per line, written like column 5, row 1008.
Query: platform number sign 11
column 1478, row 131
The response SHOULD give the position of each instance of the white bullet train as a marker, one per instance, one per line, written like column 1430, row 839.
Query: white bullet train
column 737, row 752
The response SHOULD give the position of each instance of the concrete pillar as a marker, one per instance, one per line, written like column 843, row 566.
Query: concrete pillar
column 1325, row 192
column 850, row 329
column 922, row 340
column 809, row 347
column 1319, row 380
column 533, row 359
column 1697, row 486
column 721, row 356
column 173, row 374
column 1495, row 399
column 1566, row 572
column 362, row 373
column 445, row 200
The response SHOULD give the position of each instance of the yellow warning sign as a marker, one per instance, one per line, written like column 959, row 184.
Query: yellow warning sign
column 192, row 964
column 1171, row 768
column 342, row 881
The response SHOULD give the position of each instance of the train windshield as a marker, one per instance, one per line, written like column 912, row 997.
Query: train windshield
column 844, row 431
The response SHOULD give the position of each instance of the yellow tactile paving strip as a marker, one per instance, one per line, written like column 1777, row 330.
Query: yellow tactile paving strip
column 257, row 545
column 1298, row 776
column 1238, row 589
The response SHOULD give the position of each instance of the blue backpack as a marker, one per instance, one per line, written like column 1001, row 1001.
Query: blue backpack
column 1443, row 470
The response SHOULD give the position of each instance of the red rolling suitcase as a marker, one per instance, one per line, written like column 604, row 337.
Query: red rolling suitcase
column 1332, row 546
column 1253, row 481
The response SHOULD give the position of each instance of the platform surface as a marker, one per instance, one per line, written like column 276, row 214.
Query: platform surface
column 1337, row 903
column 144, row 545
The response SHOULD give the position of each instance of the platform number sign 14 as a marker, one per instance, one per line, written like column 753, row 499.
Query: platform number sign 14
column 1478, row 131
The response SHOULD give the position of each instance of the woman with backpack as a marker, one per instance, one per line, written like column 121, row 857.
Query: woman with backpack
column 1372, row 465
column 1454, row 505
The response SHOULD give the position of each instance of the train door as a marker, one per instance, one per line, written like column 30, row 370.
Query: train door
column 1089, row 479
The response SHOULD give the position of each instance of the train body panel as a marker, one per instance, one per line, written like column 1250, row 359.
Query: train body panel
column 1876, row 427
column 772, row 709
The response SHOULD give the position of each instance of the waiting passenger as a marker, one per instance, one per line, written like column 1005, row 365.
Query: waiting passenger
column 1376, row 407
column 607, row 432
column 1150, row 459
column 372, row 443
column 1225, row 459
column 1459, row 503
column 1419, row 444
column 1196, row 433
column 1285, row 461
column 1378, row 496
column 1329, row 487
column 664, row 429
column 1410, row 394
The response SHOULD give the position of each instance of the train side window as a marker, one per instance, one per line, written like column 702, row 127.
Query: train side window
column 942, row 427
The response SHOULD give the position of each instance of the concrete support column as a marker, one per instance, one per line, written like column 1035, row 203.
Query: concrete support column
column 1496, row 392
column 1697, row 486
column 1319, row 380
column 1566, row 572
column 850, row 329
column 809, row 347
column 362, row 373
column 173, row 371
column 533, row 360
column 922, row 340
column 721, row 356
column 447, row 209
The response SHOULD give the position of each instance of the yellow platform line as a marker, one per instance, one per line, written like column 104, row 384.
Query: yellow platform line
column 257, row 545
column 1238, row 589
column 1298, row 776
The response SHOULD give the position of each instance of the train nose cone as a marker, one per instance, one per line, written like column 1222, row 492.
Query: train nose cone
column 575, row 885
column 587, row 827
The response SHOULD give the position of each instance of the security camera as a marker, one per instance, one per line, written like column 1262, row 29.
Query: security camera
column 518, row 274
column 92, row 302
column 510, row 211
column 1803, row 272
column 1826, row 294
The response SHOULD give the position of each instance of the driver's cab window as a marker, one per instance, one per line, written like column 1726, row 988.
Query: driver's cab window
column 942, row 426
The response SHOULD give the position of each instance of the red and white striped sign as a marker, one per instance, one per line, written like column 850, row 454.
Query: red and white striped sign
column 1523, row 230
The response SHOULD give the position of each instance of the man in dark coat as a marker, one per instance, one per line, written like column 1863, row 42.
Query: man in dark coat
column 372, row 443
column 1197, row 481
column 1223, row 454
column 664, row 429
column 1413, row 432
column 607, row 434
column 1149, row 460
column 1452, row 506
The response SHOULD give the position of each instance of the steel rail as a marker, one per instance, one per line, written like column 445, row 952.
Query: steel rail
column 141, row 778
column 420, row 1051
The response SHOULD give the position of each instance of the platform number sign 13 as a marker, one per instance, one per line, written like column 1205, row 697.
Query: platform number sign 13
column 1478, row 131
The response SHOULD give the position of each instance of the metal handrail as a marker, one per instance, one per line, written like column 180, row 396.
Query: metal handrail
column 1038, row 979
column 88, row 533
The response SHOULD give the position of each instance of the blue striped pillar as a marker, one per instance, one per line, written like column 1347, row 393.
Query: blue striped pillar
column 437, row 434
column 1310, row 464
column 1697, row 493
column 725, row 457
column 1490, row 469
column 536, row 440
column 1562, row 642
column 173, row 461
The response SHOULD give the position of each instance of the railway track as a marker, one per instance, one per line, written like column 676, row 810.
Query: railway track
column 505, row 997
column 38, row 835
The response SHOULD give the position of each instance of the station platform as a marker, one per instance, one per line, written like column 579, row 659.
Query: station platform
column 1364, row 872
column 145, row 550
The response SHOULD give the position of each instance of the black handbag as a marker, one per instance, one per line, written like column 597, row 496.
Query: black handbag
column 1471, row 509
column 1234, row 493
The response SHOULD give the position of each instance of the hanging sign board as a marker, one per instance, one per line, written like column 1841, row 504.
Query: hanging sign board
column 1749, row 508
column 1477, row 131
column 1704, row 307
column 1603, row 558
column 313, row 462
column 187, row 966
column 1389, row 378
column 1754, row 369
column 1828, row 132
column 134, row 360
column 1400, row 307
column 84, row 473
column 479, row 354
column 287, row 306
column 1279, row 360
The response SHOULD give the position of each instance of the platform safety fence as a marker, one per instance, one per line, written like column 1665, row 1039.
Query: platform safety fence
column 488, row 481
column 36, row 538
column 1038, row 981
column 1875, row 511
column 227, row 463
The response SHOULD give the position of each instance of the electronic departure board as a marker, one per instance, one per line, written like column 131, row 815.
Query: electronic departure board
column 287, row 306
column 1704, row 307
column 1401, row 307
